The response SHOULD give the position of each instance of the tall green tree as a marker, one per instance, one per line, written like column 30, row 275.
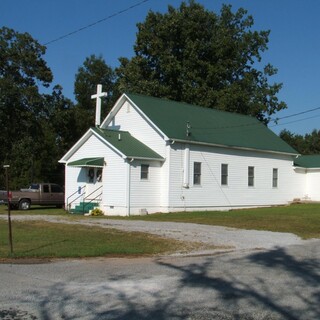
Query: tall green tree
column 37, row 129
column 93, row 71
column 304, row 144
column 58, row 122
column 22, row 71
column 193, row 55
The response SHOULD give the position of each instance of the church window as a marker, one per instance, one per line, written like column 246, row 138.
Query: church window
column 275, row 178
column 224, row 174
column 251, row 176
column 144, row 174
column 197, row 173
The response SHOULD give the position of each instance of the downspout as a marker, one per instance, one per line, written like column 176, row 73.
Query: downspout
column 129, row 186
column 186, row 161
column 186, row 165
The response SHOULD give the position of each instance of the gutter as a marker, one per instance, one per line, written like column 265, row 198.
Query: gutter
column 233, row 147
column 143, row 158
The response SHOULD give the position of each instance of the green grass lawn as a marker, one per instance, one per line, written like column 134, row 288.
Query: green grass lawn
column 300, row 219
column 34, row 210
column 39, row 239
column 42, row 239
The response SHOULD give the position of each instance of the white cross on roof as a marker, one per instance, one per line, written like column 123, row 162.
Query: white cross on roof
column 98, row 97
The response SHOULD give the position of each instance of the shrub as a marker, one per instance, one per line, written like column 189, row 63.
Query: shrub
column 97, row 212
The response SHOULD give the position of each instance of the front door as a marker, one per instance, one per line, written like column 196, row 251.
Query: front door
column 94, row 184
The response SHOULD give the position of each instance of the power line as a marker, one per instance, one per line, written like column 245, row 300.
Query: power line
column 282, row 124
column 95, row 23
column 296, row 114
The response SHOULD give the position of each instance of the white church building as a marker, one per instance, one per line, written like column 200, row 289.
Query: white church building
column 154, row 155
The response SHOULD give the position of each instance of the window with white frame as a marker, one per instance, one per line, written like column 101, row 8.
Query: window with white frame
column 250, row 176
column 274, row 178
column 144, row 173
column 224, row 174
column 197, row 173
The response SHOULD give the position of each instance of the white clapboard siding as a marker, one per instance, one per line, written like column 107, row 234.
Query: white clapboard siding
column 72, row 185
column 114, row 182
column 129, row 119
column 237, row 193
column 145, row 193
column 113, row 178
column 312, row 185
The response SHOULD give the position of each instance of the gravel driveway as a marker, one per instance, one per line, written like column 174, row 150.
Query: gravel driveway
column 230, row 238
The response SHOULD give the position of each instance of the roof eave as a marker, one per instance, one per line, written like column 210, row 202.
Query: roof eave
column 113, row 111
column 307, row 168
column 110, row 145
column 233, row 147
column 75, row 147
column 145, row 158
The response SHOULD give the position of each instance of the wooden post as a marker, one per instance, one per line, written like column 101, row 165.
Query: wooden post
column 9, row 207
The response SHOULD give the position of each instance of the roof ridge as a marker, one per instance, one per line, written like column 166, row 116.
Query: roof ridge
column 193, row 105
column 216, row 127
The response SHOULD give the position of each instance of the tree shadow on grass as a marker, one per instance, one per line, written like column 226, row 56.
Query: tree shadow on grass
column 48, row 245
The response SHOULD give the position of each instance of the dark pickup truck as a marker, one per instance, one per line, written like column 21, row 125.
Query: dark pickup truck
column 46, row 194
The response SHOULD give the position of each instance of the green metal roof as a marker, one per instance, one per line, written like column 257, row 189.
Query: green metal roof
column 87, row 162
column 209, row 126
column 311, row 161
column 127, row 144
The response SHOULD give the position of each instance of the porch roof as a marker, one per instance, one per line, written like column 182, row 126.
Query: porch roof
column 88, row 162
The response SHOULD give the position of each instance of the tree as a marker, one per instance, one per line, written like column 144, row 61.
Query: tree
column 193, row 55
column 94, row 71
column 296, row 141
column 22, row 70
column 307, row 144
column 313, row 142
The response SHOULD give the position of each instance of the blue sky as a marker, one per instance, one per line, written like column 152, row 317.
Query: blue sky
column 294, row 46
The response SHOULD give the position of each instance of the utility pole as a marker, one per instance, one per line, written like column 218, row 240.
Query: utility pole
column 6, row 167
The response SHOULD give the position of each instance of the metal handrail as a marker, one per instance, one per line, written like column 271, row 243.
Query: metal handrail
column 85, row 204
column 91, row 200
column 68, row 205
column 92, row 193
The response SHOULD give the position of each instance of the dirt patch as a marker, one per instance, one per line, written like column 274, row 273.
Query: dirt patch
column 24, row 261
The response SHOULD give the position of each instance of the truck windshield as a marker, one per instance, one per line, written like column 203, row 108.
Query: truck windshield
column 34, row 186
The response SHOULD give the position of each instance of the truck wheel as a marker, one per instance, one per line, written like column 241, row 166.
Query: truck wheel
column 24, row 204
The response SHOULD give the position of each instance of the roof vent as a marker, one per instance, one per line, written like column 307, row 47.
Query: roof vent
column 119, row 137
